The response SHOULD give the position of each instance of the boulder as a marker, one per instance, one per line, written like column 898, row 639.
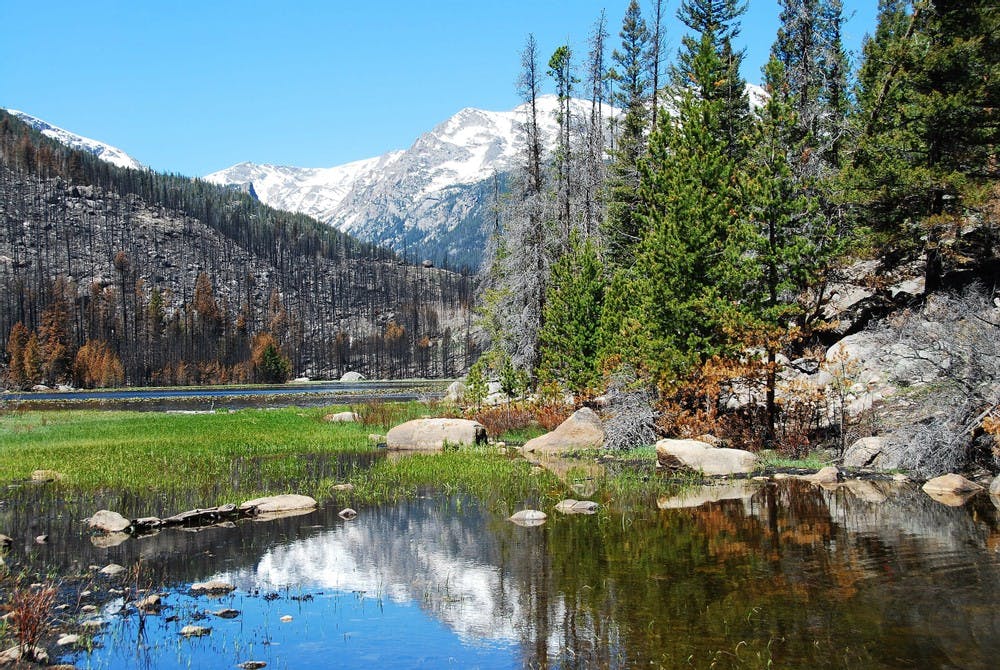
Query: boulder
column 529, row 517
column 112, row 570
column 342, row 488
column 150, row 604
column 456, row 392
column 18, row 655
column 827, row 475
column 352, row 377
column 701, row 457
column 288, row 502
column 950, row 483
column 433, row 434
column 107, row 521
column 583, row 430
column 342, row 417
column 570, row 506
column 864, row 453
column 214, row 586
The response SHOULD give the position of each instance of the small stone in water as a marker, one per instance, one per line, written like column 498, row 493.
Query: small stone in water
column 347, row 513
column 252, row 665
column 227, row 613
column 286, row 618
column 195, row 631
column 214, row 586
column 112, row 569
column 67, row 640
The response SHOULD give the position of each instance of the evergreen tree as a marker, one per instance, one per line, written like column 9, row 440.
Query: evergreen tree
column 929, row 101
column 689, row 274
column 569, row 336
column 788, row 243
column 622, row 230
column 716, row 21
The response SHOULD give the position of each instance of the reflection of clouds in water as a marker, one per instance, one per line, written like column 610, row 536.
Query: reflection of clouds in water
column 449, row 563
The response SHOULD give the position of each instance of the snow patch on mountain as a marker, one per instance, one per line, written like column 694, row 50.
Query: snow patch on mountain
column 105, row 152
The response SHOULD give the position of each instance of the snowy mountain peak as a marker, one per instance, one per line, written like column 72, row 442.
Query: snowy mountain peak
column 105, row 152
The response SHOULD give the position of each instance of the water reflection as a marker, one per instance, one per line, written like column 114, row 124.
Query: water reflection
column 866, row 574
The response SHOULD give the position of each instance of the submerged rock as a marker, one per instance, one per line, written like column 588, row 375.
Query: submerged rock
column 289, row 502
column 195, row 631
column 582, row 430
column 701, row 457
column 107, row 521
column 214, row 586
column 112, row 570
column 827, row 475
column 151, row 604
column 570, row 506
column 434, row 434
column 529, row 517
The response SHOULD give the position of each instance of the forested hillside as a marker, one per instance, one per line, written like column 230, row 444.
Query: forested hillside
column 120, row 276
column 707, row 260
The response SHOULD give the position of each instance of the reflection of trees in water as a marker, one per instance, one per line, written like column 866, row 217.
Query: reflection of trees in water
column 831, row 576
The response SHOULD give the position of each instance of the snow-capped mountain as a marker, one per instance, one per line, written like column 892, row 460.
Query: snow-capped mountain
column 431, row 200
column 105, row 152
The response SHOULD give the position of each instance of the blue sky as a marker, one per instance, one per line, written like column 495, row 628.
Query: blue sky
column 195, row 86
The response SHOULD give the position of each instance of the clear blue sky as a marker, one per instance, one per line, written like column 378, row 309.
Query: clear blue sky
column 195, row 86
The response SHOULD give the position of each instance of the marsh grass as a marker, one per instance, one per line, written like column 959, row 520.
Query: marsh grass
column 254, row 451
column 486, row 473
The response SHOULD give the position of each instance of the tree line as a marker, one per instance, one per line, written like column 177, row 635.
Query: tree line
column 114, row 276
column 682, row 236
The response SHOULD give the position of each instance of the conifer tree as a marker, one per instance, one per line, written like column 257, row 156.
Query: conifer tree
column 716, row 21
column 689, row 272
column 928, row 108
column 788, row 242
column 622, row 231
column 568, row 339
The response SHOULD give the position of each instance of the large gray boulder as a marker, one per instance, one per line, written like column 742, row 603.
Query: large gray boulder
column 704, row 458
column 434, row 434
column 583, row 430
column 106, row 521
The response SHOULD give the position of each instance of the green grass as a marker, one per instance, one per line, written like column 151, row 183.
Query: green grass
column 228, row 456
column 152, row 451
column 773, row 460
